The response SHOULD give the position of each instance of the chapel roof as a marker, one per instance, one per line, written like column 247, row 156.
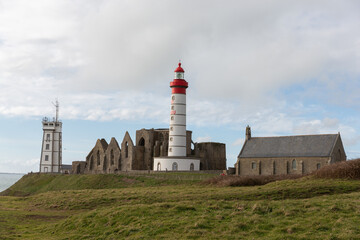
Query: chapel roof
column 289, row 146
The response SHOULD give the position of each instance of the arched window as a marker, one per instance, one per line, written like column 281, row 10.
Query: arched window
column 253, row 165
column 274, row 168
column 293, row 164
column 112, row 157
column 287, row 167
column 105, row 163
column 318, row 166
column 142, row 142
column 191, row 167
column 91, row 162
column 259, row 167
column 98, row 157
column 126, row 150
column 159, row 166
column 302, row 167
column 174, row 166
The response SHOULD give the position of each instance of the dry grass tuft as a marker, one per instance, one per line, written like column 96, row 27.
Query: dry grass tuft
column 345, row 170
column 235, row 181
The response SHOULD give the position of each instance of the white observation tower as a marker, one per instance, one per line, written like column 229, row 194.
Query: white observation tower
column 177, row 159
column 51, row 153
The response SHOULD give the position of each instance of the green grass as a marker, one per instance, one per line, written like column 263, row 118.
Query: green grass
column 38, row 183
column 162, row 208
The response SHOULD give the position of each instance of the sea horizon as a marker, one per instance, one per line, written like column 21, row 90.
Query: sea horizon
column 8, row 179
column 12, row 173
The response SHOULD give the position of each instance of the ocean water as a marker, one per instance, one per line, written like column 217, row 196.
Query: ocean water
column 8, row 179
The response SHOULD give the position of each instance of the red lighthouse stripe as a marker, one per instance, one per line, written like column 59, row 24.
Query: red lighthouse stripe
column 179, row 83
column 178, row 90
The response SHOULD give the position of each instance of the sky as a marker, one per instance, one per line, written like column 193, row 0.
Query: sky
column 283, row 67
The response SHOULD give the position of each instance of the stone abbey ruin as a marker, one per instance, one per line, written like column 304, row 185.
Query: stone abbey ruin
column 112, row 157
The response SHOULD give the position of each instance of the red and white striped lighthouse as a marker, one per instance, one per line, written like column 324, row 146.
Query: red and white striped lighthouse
column 177, row 159
column 177, row 131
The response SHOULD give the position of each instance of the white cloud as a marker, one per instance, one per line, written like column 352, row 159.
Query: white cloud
column 241, row 52
column 203, row 139
column 350, row 135
column 317, row 126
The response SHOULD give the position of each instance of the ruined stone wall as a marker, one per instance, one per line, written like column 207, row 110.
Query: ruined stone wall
column 161, row 143
column 212, row 155
column 96, row 157
column 150, row 143
column 154, row 143
column 127, row 153
column 138, row 162
column 279, row 166
column 78, row 167
column 145, row 139
column 113, row 157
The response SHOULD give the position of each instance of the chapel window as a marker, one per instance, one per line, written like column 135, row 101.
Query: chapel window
column 274, row 168
column 293, row 164
column 318, row 166
column 253, row 165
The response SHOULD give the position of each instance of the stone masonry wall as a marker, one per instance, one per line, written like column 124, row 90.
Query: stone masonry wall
column 338, row 153
column 113, row 157
column 279, row 166
column 212, row 155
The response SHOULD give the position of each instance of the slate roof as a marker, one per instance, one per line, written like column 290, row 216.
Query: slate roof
column 66, row 166
column 289, row 146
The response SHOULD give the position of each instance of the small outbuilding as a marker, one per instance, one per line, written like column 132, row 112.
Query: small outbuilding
column 300, row 154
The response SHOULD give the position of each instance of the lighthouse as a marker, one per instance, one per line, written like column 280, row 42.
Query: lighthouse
column 177, row 130
column 177, row 159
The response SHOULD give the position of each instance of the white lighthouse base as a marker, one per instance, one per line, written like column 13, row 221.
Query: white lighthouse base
column 176, row 164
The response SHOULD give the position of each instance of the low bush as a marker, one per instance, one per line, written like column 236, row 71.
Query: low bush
column 345, row 170
column 235, row 181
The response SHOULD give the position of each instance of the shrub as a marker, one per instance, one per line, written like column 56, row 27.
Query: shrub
column 346, row 169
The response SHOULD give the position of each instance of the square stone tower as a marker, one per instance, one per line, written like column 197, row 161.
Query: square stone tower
column 51, row 150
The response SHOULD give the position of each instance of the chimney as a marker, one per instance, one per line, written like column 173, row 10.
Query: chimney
column 248, row 133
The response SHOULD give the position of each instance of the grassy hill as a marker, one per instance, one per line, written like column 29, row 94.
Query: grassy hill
column 38, row 183
column 178, row 206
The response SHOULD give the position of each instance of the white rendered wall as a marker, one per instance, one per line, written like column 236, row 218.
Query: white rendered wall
column 51, row 153
column 177, row 133
column 166, row 164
